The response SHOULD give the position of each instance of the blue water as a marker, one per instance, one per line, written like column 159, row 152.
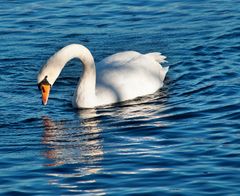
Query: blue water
column 182, row 140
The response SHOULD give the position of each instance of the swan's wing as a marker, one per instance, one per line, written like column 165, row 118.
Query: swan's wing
column 118, row 59
column 128, row 75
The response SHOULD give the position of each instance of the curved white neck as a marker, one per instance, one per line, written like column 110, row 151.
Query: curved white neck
column 84, row 95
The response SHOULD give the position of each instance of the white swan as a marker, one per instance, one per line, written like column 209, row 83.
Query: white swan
column 119, row 77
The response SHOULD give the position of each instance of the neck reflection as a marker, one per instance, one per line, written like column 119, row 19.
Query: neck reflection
column 73, row 142
column 80, row 144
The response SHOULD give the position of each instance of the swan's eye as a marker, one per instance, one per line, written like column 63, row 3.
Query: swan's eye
column 42, row 83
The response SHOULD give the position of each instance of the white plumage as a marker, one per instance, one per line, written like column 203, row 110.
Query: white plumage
column 119, row 77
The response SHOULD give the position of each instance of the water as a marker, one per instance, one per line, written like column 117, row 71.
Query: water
column 183, row 140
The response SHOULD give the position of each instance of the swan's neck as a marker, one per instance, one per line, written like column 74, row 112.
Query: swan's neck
column 84, row 95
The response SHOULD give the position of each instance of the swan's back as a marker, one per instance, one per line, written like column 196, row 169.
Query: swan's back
column 128, row 75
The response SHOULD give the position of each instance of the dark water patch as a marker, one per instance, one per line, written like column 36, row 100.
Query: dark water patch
column 183, row 116
column 229, row 36
column 222, row 109
column 198, row 90
column 232, row 49
column 12, row 149
column 232, row 116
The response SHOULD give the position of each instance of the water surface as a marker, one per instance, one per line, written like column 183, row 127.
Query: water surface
column 182, row 140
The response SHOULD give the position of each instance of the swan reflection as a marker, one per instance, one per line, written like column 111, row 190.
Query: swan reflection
column 77, row 146
column 75, row 142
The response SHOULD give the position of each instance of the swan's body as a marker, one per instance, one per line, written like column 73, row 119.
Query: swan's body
column 119, row 77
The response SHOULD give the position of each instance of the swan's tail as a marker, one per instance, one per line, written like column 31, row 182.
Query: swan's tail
column 157, row 57
column 160, row 59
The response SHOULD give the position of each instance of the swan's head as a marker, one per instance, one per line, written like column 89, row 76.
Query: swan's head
column 45, row 87
column 47, row 76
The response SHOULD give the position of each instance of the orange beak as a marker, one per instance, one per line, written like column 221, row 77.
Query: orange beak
column 45, row 88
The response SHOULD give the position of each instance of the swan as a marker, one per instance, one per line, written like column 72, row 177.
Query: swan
column 119, row 77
